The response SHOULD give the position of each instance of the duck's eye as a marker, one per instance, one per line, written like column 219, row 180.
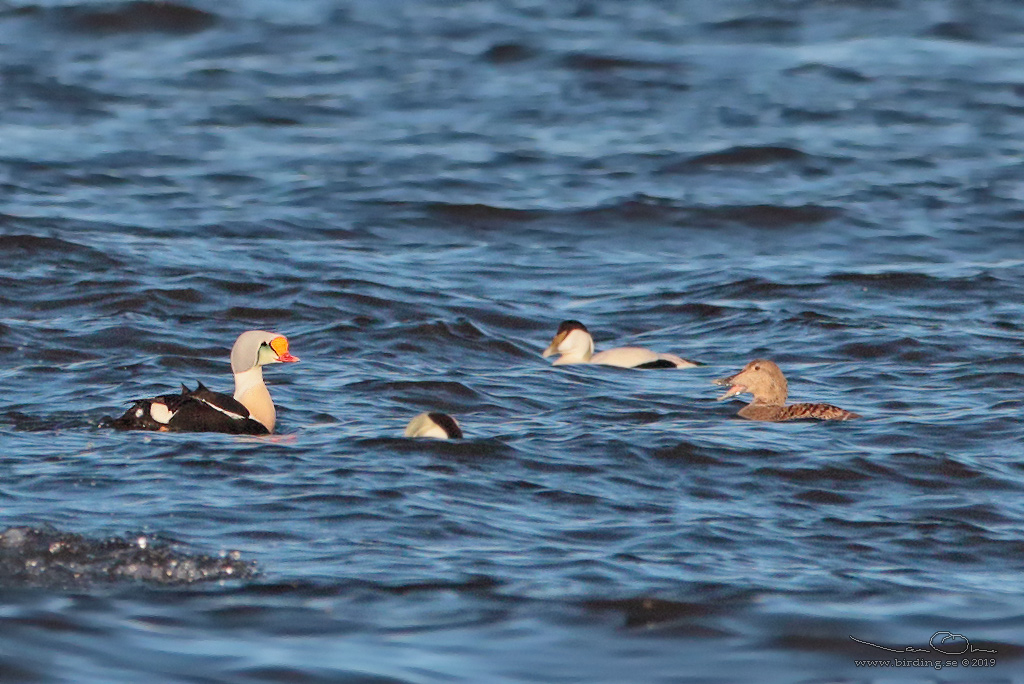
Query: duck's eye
column 757, row 368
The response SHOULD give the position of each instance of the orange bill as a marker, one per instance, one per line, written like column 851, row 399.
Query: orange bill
column 280, row 347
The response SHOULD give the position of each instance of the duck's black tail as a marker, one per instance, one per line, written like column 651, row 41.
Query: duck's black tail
column 138, row 417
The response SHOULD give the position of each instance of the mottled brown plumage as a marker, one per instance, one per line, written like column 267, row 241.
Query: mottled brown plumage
column 763, row 379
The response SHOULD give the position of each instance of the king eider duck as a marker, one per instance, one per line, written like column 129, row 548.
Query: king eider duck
column 764, row 380
column 434, row 425
column 249, row 412
column 575, row 345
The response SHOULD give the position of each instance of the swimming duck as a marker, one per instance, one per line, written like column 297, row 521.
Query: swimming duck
column 575, row 345
column 435, row 425
column 249, row 412
column 763, row 379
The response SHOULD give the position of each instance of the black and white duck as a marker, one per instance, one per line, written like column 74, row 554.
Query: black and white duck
column 574, row 344
column 434, row 425
column 250, row 411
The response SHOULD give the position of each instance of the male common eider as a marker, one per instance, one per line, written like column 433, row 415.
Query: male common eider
column 764, row 380
column 434, row 425
column 249, row 412
column 575, row 345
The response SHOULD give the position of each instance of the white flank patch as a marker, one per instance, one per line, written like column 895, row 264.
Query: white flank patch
column 160, row 413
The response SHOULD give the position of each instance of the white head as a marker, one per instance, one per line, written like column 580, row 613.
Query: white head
column 435, row 425
column 572, row 341
column 258, row 348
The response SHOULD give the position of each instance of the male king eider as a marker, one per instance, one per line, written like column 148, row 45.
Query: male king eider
column 435, row 425
column 574, row 343
column 249, row 412
column 764, row 380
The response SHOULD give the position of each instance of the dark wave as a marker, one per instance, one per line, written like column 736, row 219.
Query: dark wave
column 444, row 393
column 738, row 156
column 903, row 281
column 29, row 248
column 824, row 497
column 954, row 30
column 840, row 74
column 768, row 216
column 649, row 611
column 757, row 29
column 592, row 62
column 688, row 454
column 247, row 115
column 50, row 558
column 50, row 421
column 799, row 115
column 284, row 675
column 654, row 210
column 509, row 53
column 825, row 475
column 139, row 16
column 481, row 214
column 639, row 209
column 31, row 83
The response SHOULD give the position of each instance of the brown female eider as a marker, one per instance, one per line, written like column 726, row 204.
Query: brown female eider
column 764, row 380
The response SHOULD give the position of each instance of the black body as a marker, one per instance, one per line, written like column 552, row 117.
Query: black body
column 198, row 410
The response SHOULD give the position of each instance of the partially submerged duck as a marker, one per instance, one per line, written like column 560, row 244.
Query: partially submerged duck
column 249, row 412
column 434, row 425
column 763, row 379
column 575, row 345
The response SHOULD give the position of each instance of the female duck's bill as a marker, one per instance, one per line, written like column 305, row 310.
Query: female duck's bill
column 764, row 380
column 249, row 411
column 434, row 425
column 574, row 344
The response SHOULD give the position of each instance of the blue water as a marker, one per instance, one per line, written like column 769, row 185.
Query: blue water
column 416, row 194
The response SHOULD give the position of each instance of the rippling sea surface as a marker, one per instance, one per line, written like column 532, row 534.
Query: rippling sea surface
column 417, row 193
